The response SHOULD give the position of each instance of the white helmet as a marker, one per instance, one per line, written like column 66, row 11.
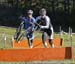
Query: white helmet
column 30, row 12
column 42, row 11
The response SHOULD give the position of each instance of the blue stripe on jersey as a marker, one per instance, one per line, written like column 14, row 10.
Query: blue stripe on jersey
column 27, row 21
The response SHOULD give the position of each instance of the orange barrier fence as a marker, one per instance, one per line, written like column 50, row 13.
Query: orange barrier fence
column 36, row 44
column 36, row 54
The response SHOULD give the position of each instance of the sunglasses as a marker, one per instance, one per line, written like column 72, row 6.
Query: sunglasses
column 29, row 13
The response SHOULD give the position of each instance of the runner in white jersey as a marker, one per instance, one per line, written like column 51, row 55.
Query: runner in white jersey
column 46, row 27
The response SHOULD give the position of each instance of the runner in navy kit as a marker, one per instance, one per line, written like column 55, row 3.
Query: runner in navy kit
column 28, row 23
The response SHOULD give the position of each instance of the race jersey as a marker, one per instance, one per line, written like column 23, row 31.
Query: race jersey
column 28, row 22
column 44, row 22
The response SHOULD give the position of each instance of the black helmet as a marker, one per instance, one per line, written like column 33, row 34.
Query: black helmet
column 30, row 12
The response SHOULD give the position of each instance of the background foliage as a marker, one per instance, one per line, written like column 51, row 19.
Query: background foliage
column 61, row 12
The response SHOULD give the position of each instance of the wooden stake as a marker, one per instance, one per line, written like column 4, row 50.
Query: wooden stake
column 60, row 32
column 70, row 35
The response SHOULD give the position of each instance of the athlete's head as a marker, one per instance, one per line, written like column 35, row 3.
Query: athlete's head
column 42, row 12
column 30, row 13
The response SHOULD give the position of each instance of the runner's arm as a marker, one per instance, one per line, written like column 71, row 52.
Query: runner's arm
column 47, row 24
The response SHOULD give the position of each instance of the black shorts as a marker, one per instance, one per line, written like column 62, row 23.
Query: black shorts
column 48, row 31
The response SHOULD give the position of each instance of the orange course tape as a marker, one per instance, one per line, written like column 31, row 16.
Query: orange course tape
column 36, row 44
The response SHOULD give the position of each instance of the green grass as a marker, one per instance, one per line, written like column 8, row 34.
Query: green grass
column 9, row 32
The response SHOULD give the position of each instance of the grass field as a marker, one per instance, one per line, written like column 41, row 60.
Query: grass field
column 9, row 32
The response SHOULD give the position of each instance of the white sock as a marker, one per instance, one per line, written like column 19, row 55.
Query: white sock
column 53, row 46
column 31, row 46
column 46, row 43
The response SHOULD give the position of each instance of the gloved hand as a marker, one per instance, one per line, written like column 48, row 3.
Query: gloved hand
column 39, row 26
